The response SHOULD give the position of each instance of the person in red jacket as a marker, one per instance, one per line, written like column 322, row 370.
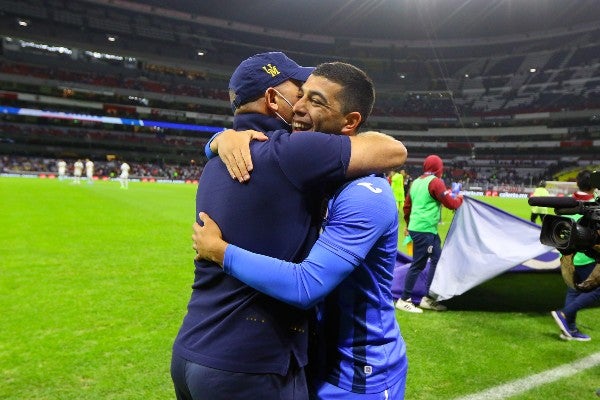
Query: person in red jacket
column 422, row 207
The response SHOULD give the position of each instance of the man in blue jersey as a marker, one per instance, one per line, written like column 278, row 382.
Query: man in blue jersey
column 235, row 342
column 350, row 267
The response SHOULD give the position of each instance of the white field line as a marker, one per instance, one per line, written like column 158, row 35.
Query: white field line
column 522, row 385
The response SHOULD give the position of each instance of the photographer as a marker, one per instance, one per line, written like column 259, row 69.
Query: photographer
column 584, row 265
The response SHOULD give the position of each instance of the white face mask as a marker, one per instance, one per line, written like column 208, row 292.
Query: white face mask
column 289, row 103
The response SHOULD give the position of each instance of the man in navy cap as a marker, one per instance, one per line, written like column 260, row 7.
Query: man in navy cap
column 360, row 353
column 235, row 342
column 274, row 72
column 262, row 90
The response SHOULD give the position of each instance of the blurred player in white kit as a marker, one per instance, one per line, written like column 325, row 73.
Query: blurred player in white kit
column 89, row 171
column 124, row 177
column 77, row 169
column 62, row 169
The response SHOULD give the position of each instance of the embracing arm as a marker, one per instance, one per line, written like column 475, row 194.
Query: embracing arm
column 371, row 152
column 374, row 152
column 299, row 284
column 234, row 149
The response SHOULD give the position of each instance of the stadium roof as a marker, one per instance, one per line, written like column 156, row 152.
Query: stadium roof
column 398, row 19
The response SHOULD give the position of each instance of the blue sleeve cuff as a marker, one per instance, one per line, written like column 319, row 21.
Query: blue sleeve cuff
column 209, row 153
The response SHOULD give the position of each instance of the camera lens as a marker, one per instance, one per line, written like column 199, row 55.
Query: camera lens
column 561, row 234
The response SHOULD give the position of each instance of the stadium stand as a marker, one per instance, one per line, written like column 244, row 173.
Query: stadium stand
column 489, row 105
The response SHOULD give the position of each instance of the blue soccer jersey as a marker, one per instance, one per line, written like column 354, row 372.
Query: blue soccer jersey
column 352, row 264
column 229, row 325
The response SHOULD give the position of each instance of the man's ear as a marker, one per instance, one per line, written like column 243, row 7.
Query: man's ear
column 270, row 94
column 353, row 120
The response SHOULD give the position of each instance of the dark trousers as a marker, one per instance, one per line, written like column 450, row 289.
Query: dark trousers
column 576, row 300
column 535, row 216
column 198, row 382
column 426, row 246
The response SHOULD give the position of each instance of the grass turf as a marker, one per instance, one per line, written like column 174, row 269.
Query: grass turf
column 94, row 282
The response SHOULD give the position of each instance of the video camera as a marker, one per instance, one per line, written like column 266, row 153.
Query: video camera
column 566, row 234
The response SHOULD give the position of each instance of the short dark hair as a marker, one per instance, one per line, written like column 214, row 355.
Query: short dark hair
column 584, row 181
column 357, row 92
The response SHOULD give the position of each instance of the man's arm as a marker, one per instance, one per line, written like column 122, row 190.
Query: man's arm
column 234, row 149
column 374, row 152
column 371, row 152
column 407, row 208
column 358, row 217
column 299, row 284
column 438, row 191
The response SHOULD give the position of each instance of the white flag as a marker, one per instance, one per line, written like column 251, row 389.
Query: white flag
column 483, row 242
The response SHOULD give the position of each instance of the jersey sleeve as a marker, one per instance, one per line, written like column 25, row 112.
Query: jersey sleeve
column 312, row 158
column 301, row 285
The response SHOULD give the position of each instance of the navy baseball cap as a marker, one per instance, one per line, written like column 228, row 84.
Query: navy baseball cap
column 258, row 73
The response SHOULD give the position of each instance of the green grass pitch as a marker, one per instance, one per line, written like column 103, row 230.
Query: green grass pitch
column 94, row 282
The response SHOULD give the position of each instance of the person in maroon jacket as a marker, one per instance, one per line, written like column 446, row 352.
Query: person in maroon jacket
column 422, row 209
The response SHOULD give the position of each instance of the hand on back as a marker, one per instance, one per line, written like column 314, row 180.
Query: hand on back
column 233, row 148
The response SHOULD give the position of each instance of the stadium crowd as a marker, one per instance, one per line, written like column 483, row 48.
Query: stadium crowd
column 501, row 178
column 102, row 169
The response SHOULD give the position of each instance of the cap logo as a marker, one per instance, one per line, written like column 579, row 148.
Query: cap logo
column 271, row 70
